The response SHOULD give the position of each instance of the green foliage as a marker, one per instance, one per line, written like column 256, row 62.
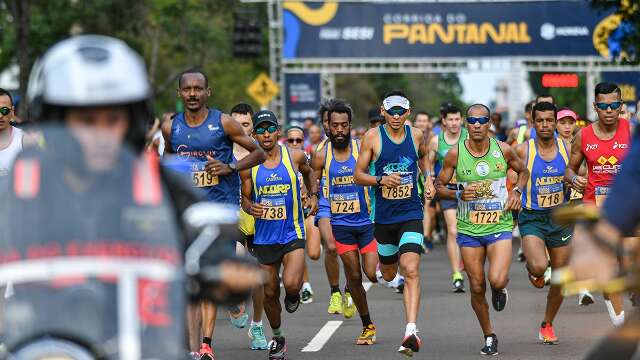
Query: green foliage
column 574, row 98
column 629, row 10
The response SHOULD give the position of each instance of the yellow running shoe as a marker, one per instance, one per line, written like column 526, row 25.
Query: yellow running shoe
column 348, row 307
column 368, row 336
column 335, row 303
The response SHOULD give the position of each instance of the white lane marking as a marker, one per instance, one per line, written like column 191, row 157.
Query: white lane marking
column 322, row 336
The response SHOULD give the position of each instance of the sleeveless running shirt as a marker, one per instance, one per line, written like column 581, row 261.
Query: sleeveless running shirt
column 9, row 153
column 545, row 189
column 444, row 146
column 349, row 202
column 402, row 203
column 485, row 214
column 278, row 190
column 604, row 160
column 193, row 144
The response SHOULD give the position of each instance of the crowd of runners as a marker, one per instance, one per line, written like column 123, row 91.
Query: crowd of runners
column 372, row 201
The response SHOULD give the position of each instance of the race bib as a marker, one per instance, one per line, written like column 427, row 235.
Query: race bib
column 403, row 191
column 485, row 213
column 601, row 195
column 203, row 179
column 574, row 194
column 550, row 200
column 345, row 203
column 275, row 209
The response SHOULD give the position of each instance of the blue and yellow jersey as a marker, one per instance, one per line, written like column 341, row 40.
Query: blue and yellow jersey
column 545, row 189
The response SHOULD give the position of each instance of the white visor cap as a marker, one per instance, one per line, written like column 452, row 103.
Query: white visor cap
column 396, row 100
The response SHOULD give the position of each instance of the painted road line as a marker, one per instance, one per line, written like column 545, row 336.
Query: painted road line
column 322, row 336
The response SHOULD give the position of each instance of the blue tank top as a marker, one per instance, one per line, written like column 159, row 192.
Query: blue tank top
column 400, row 204
column 349, row 202
column 193, row 144
column 279, row 190
column 545, row 189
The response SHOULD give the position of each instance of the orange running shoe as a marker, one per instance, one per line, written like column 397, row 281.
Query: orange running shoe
column 537, row 282
column 206, row 352
column 547, row 335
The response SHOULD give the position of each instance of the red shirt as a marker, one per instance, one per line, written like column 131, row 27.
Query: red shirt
column 604, row 160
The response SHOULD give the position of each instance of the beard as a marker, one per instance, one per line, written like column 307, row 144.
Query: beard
column 340, row 143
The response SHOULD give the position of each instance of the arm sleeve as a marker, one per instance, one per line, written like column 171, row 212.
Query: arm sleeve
column 622, row 207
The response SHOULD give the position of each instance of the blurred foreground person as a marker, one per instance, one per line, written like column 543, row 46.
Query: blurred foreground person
column 95, row 235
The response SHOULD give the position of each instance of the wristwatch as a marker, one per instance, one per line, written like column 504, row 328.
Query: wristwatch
column 233, row 166
column 378, row 179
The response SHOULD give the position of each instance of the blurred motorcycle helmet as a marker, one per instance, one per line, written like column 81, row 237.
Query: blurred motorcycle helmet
column 91, row 71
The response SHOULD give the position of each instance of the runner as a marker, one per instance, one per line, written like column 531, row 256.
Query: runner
column 10, row 136
column 349, row 212
column 338, row 304
column 603, row 145
column 484, row 213
column 439, row 145
column 204, row 137
column 398, row 153
column 271, row 193
column 546, row 158
column 295, row 140
column 566, row 124
column 242, row 113
column 375, row 119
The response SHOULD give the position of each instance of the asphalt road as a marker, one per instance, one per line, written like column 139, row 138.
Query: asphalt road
column 448, row 327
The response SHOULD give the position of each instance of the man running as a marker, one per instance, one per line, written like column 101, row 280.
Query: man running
column 242, row 113
column 10, row 136
column 604, row 146
column 204, row 137
column 398, row 153
column 546, row 158
column 349, row 207
column 271, row 194
column 484, row 213
column 439, row 145
column 337, row 303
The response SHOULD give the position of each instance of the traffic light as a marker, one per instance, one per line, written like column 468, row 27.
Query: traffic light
column 247, row 34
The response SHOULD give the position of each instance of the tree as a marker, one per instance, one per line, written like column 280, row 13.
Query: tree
column 629, row 28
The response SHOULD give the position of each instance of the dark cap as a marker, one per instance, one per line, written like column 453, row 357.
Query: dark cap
column 264, row 116
column 374, row 115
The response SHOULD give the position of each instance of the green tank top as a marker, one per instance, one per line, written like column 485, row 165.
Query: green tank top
column 483, row 215
column 444, row 147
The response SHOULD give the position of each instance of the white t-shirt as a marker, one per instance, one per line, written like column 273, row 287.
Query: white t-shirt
column 8, row 154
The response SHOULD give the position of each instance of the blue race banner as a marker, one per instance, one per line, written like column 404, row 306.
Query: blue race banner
column 329, row 30
column 628, row 81
column 302, row 96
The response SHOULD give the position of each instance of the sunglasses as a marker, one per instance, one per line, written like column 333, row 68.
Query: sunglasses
column 396, row 110
column 614, row 105
column 5, row 110
column 481, row 120
column 271, row 129
column 295, row 141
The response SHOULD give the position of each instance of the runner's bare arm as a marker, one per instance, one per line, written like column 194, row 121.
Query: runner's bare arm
column 433, row 152
column 166, row 134
column 234, row 131
column 513, row 134
column 309, row 178
column 516, row 164
column 571, row 176
column 446, row 174
column 246, row 189
column 317, row 164
column 425, row 165
column 361, row 174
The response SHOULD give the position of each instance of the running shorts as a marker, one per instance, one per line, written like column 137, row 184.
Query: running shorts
column 352, row 238
column 482, row 241
column 539, row 223
column 397, row 239
column 273, row 253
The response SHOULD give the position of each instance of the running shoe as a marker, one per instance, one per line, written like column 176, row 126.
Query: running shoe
column 258, row 340
column 458, row 283
column 499, row 299
column 307, row 296
column 537, row 282
column 277, row 348
column 399, row 286
column 547, row 335
column 490, row 345
column 585, row 298
column 291, row 303
column 368, row 336
column 238, row 317
column 194, row 355
column 206, row 352
column 410, row 344
column 520, row 256
column 547, row 276
column 335, row 303
column 348, row 307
